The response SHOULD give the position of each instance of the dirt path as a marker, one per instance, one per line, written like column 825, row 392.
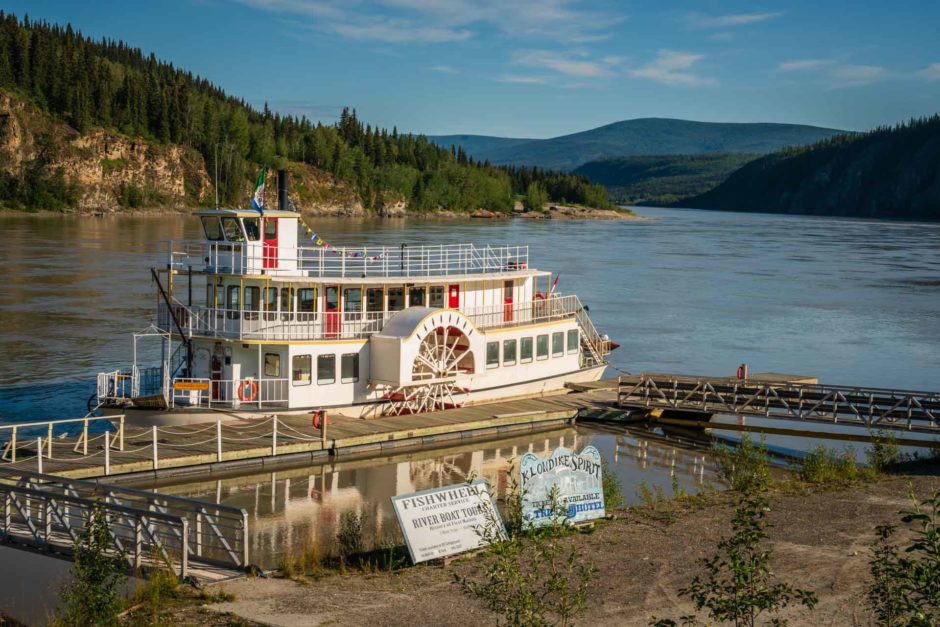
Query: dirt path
column 820, row 542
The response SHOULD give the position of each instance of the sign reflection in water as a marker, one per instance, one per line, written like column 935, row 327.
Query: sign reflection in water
column 292, row 508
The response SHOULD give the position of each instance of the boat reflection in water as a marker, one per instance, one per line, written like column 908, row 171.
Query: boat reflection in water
column 296, row 507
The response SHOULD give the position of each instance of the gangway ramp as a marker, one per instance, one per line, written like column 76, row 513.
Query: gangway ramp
column 193, row 538
column 871, row 408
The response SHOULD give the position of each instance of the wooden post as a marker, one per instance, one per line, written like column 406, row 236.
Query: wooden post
column 39, row 455
column 85, row 437
column 107, row 455
column 121, row 433
column 156, row 457
column 13, row 446
column 49, row 441
column 218, row 440
column 274, row 438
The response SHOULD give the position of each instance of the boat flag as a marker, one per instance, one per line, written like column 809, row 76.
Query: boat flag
column 257, row 198
column 557, row 276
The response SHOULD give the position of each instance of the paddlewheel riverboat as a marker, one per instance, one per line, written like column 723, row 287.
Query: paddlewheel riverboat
column 253, row 323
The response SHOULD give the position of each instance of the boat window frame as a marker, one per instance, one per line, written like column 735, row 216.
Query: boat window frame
column 541, row 342
column 295, row 370
column 400, row 290
column 436, row 296
column 221, row 234
column 252, row 308
column 577, row 341
column 326, row 357
column 514, row 344
column 306, row 314
column 558, row 343
column 277, row 365
column 287, row 304
column 355, row 313
column 422, row 289
column 523, row 342
column 370, row 301
column 355, row 368
column 270, row 313
column 233, row 305
column 226, row 220
column 248, row 232
column 492, row 361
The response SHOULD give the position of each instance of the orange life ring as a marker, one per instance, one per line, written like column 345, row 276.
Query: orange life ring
column 247, row 390
column 316, row 418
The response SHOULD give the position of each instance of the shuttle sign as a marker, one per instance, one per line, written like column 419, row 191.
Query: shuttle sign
column 446, row 521
column 576, row 478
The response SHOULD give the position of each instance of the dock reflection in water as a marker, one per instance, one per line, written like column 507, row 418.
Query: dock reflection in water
column 292, row 508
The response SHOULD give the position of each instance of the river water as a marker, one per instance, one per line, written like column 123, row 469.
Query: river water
column 696, row 292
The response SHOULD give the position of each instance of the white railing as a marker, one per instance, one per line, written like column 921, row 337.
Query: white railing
column 379, row 261
column 260, row 393
column 270, row 326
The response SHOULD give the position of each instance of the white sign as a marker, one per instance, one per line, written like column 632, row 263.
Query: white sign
column 446, row 521
column 577, row 479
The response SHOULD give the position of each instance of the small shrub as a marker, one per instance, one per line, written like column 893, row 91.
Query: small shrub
column 884, row 451
column 305, row 562
column 612, row 487
column 349, row 536
column 826, row 465
column 93, row 594
column 745, row 467
column 905, row 585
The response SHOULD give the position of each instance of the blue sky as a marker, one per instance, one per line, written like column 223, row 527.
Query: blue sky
column 540, row 68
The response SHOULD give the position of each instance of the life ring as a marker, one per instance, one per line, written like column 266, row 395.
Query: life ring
column 317, row 415
column 247, row 390
column 539, row 296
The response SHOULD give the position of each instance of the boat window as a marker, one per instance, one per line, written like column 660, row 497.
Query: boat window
column 210, row 224
column 210, row 295
column 541, row 347
column 332, row 298
column 558, row 343
column 270, row 303
column 306, row 302
column 252, row 302
column 270, row 229
column 252, row 228
column 232, row 301
column 326, row 369
column 509, row 352
column 272, row 365
column 374, row 299
column 492, row 354
column 396, row 298
column 352, row 302
column 287, row 303
column 436, row 296
column 573, row 341
column 525, row 350
column 416, row 296
column 233, row 231
column 350, row 368
column 301, row 370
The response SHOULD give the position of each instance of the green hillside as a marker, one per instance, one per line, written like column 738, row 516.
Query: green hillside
column 110, row 87
column 661, row 180
column 646, row 136
column 477, row 144
column 888, row 173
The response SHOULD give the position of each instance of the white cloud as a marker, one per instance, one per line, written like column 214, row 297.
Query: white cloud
column 576, row 64
column 856, row 75
column 444, row 69
column 397, row 32
column 931, row 72
column 522, row 79
column 797, row 65
column 672, row 67
column 730, row 20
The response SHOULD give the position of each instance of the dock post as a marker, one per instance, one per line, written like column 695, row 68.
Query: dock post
column 107, row 455
column 156, row 457
column 39, row 455
column 184, row 548
column 85, row 437
column 12, row 446
column 323, row 430
column 218, row 440
column 274, row 439
column 121, row 433
column 49, row 441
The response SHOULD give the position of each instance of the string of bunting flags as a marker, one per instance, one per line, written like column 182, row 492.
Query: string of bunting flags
column 319, row 241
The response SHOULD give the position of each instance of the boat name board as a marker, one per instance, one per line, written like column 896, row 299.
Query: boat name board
column 448, row 520
column 566, row 487
column 195, row 386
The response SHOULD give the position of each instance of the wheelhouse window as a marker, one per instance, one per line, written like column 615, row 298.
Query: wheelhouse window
column 525, row 350
column 416, row 296
column 233, row 232
column 492, row 354
column 306, row 303
column 270, row 303
column 326, row 369
column 573, row 341
column 233, row 301
column 252, row 302
column 287, row 303
column 270, row 229
column 212, row 228
column 436, row 296
column 272, row 365
column 252, row 228
column 396, row 298
column 300, row 370
column 210, row 295
column 374, row 299
column 349, row 368
column 558, row 343
column 541, row 347
column 509, row 352
column 352, row 302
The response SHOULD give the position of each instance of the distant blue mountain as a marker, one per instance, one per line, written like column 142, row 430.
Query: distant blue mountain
column 640, row 137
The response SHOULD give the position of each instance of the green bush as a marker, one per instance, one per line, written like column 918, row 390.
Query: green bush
column 884, row 451
column 826, row 465
column 612, row 487
column 745, row 467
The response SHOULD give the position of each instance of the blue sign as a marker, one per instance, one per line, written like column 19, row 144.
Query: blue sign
column 575, row 479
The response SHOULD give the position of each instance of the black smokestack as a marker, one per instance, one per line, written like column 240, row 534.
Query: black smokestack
column 282, row 189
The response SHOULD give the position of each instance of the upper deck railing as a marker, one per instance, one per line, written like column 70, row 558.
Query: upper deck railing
column 402, row 261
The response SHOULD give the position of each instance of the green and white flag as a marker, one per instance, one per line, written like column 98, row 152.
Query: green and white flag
column 257, row 198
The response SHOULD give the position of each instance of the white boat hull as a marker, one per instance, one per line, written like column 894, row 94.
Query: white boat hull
column 144, row 417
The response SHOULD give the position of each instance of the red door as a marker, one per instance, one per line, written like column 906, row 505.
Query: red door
column 331, row 309
column 453, row 296
column 270, row 243
column 507, row 301
column 216, row 370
